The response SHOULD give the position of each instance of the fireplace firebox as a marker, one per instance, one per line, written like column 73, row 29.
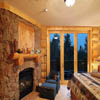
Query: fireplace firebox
column 26, row 82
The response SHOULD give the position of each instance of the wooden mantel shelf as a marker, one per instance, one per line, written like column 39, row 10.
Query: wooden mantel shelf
column 19, row 57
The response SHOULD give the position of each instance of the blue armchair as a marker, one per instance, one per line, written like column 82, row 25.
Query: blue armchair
column 54, row 78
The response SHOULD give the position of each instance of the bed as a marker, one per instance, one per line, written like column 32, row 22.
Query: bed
column 85, row 87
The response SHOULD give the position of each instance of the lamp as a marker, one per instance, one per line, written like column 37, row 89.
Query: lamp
column 56, row 36
column 69, row 3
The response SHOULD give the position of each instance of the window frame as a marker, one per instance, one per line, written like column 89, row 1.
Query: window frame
column 62, row 32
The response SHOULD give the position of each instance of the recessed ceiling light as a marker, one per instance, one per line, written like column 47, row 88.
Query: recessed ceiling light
column 46, row 10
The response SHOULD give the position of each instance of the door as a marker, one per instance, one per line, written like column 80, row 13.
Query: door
column 82, row 50
column 68, row 55
column 55, row 53
column 63, row 52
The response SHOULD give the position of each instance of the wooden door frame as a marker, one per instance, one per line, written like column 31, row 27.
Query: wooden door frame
column 54, row 31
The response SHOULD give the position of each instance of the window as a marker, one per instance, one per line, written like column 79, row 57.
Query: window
column 82, row 52
column 67, row 53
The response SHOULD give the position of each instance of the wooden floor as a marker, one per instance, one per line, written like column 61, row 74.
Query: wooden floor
column 63, row 94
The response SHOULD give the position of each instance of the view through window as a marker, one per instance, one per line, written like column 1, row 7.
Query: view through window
column 69, row 53
column 82, row 52
column 55, row 53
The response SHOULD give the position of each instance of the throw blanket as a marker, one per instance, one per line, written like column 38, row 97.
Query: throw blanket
column 85, row 86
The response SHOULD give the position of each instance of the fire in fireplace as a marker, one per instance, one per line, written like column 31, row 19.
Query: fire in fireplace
column 25, row 82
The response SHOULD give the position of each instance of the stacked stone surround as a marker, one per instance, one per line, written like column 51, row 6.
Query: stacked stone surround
column 9, row 72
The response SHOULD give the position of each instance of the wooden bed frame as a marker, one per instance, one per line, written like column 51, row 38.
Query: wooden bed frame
column 73, row 97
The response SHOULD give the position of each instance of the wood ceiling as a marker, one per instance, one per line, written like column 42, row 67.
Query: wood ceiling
column 83, row 13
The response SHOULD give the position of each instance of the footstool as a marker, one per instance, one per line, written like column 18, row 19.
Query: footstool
column 48, row 91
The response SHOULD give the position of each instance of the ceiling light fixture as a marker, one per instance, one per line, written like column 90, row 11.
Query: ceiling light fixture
column 69, row 3
column 46, row 10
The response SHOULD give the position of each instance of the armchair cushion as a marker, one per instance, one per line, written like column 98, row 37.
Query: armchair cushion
column 51, row 81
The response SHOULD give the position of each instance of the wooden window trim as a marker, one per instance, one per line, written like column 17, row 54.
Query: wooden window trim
column 54, row 31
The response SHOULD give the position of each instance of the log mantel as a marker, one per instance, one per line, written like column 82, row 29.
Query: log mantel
column 19, row 57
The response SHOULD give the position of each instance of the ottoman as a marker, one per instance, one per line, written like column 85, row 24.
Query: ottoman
column 54, row 82
column 48, row 90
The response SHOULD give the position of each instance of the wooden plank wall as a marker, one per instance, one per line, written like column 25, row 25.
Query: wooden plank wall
column 95, row 46
column 44, row 54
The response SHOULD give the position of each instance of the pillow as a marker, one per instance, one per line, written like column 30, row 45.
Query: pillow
column 95, row 74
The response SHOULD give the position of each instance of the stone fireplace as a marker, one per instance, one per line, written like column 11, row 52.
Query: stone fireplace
column 28, row 78
column 10, row 82
column 26, row 82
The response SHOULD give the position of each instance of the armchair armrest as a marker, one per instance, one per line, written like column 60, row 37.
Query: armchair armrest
column 47, row 77
column 58, row 77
